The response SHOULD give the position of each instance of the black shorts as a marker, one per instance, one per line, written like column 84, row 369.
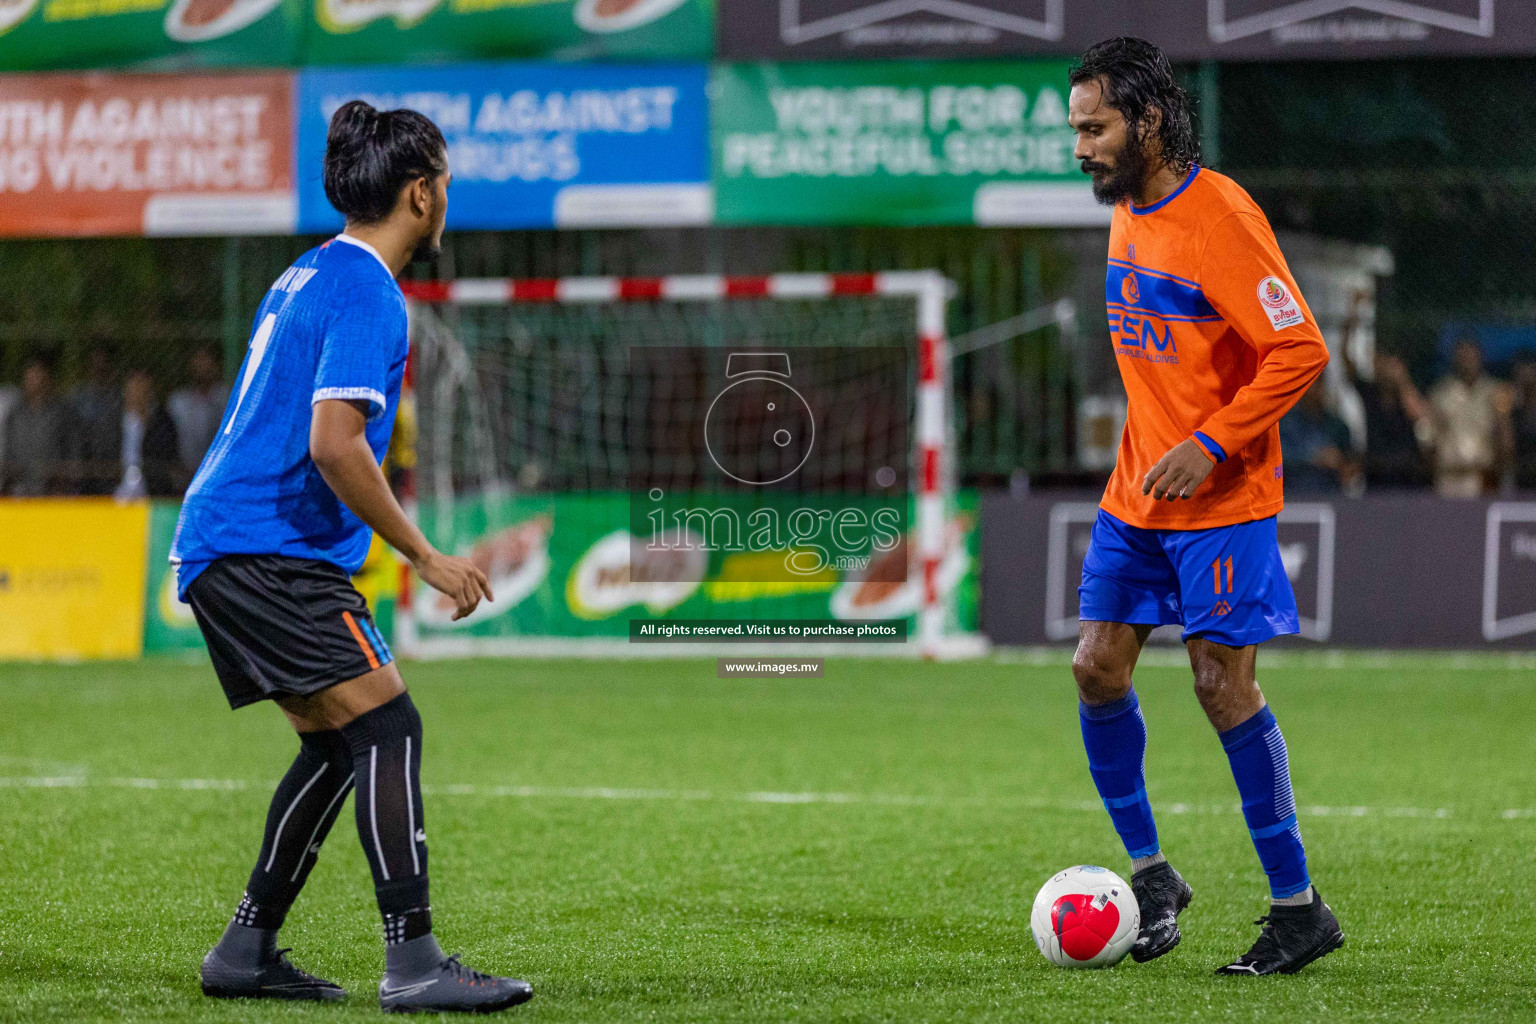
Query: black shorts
column 278, row 626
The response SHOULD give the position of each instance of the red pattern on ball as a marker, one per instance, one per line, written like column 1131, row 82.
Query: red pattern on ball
column 1083, row 929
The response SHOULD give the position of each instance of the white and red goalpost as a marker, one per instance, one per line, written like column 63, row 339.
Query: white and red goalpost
column 932, row 462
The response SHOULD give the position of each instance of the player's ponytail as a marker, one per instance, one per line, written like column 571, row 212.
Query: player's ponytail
column 370, row 155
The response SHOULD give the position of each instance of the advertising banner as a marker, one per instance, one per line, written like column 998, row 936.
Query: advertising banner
column 146, row 154
column 420, row 31
column 808, row 29
column 1378, row 571
column 562, row 566
column 537, row 145
column 1343, row 29
column 1213, row 30
column 41, row 35
column 897, row 143
column 169, row 624
column 71, row 578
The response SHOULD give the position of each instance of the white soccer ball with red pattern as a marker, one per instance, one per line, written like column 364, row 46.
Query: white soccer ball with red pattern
column 1085, row 917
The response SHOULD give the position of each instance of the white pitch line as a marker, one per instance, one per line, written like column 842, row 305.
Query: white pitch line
column 1172, row 655
column 755, row 797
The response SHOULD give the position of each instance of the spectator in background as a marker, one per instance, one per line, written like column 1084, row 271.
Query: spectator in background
column 1397, row 422
column 1523, row 386
column 1319, row 456
column 148, row 450
column 10, row 394
column 37, row 433
column 97, row 408
column 1471, row 433
column 197, row 409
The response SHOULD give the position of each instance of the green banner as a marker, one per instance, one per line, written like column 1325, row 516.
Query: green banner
column 561, row 566
column 394, row 31
column 897, row 143
column 44, row 35
column 168, row 624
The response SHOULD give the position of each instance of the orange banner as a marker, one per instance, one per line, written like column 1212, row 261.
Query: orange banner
column 146, row 154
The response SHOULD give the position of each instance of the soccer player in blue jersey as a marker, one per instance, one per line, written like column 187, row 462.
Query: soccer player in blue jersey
column 277, row 518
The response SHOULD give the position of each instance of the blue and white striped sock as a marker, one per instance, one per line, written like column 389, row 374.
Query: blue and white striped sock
column 1262, row 770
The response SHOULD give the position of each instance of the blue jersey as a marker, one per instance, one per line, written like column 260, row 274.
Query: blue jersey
column 333, row 326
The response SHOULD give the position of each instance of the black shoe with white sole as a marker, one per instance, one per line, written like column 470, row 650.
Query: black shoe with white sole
column 273, row 978
column 1161, row 895
column 1292, row 937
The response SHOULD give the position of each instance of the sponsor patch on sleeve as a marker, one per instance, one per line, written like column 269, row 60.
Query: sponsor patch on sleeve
column 1279, row 304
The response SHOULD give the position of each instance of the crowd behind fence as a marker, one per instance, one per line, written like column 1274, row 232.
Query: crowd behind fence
column 1471, row 434
column 112, row 428
column 112, row 432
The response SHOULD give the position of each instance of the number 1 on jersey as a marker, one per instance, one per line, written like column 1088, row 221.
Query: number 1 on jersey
column 258, row 350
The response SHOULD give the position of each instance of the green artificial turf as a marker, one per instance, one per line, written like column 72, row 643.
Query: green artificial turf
column 645, row 842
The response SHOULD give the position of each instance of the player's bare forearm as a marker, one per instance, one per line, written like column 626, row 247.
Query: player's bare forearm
column 339, row 447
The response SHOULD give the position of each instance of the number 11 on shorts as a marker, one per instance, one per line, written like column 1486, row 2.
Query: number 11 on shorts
column 1216, row 573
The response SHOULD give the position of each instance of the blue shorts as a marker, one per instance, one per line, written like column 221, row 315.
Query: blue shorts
column 1226, row 584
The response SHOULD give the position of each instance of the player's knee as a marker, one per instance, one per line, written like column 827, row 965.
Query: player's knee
column 1099, row 680
column 1213, row 680
column 391, row 722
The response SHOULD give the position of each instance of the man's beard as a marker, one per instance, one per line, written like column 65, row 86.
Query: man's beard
column 1121, row 184
column 428, row 250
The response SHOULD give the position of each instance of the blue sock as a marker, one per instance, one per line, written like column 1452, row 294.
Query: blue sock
column 1115, row 736
column 1263, row 773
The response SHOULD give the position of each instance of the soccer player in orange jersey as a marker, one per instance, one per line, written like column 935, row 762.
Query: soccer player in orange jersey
column 1215, row 344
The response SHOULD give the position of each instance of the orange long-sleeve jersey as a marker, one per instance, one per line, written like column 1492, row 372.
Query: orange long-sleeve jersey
column 1214, row 343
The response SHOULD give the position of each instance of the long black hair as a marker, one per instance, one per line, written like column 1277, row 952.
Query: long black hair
column 370, row 155
column 1137, row 77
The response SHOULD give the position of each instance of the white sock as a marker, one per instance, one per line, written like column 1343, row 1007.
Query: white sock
column 1138, row 863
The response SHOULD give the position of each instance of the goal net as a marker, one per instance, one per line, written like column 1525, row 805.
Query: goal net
column 690, row 450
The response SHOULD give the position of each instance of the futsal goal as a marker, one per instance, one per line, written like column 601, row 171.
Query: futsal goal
column 567, row 428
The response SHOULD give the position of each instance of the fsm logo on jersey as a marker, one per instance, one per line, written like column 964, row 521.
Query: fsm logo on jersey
column 1143, row 304
column 1142, row 337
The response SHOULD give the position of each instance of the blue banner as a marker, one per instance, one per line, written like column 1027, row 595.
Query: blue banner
column 535, row 145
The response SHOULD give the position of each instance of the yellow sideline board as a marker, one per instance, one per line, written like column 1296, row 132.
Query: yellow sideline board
column 72, row 578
